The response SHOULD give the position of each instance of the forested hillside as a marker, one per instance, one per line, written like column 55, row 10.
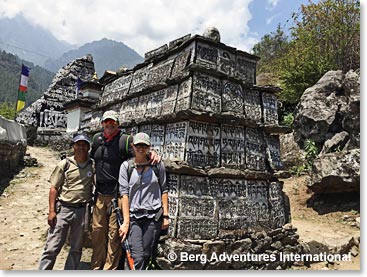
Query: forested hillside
column 10, row 69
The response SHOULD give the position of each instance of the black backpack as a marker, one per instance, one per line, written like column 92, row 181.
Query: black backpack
column 124, row 143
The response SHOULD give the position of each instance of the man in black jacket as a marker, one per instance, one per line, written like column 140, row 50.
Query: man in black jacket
column 109, row 149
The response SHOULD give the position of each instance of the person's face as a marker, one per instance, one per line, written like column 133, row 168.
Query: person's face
column 141, row 148
column 81, row 147
column 110, row 126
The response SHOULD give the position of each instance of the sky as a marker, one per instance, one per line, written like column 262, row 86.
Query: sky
column 145, row 25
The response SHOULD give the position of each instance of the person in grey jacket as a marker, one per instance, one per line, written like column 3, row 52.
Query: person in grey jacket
column 144, row 198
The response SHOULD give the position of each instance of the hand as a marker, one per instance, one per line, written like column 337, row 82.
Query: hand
column 165, row 223
column 124, row 229
column 51, row 220
column 154, row 158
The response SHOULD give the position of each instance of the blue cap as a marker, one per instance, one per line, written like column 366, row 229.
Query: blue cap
column 80, row 137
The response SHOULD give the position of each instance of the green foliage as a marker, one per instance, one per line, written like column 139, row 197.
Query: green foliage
column 297, row 170
column 324, row 36
column 311, row 152
column 338, row 149
column 271, row 48
column 333, row 29
column 10, row 69
column 288, row 120
column 7, row 110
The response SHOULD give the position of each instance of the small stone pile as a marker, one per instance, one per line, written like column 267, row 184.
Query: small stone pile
column 252, row 249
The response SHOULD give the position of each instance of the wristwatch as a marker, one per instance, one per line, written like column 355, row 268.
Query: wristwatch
column 166, row 216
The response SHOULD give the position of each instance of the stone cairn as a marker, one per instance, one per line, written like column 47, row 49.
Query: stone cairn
column 218, row 135
column 45, row 119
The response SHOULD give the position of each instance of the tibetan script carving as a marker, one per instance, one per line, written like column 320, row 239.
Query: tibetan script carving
column 270, row 108
column 207, row 91
column 252, row 106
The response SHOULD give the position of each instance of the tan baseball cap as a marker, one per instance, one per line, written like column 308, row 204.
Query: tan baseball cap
column 141, row 138
column 110, row 115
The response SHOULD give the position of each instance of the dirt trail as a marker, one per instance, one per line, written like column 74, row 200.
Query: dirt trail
column 24, row 208
column 331, row 228
column 23, row 215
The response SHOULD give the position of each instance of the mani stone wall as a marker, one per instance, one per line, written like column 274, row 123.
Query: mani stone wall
column 13, row 146
column 215, row 129
column 47, row 114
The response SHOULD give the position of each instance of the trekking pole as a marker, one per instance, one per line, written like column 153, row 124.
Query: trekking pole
column 117, row 210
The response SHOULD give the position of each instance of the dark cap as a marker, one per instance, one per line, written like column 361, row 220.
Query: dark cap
column 80, row 137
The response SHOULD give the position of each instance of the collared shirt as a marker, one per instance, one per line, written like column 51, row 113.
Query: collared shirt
column 75, row 185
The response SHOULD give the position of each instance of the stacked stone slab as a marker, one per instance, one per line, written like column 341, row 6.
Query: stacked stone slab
column 47, row 114
column 216, row 130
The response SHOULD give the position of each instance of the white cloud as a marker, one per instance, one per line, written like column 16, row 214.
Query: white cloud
column 271, row 19
column 272, row 4
column 141, row 24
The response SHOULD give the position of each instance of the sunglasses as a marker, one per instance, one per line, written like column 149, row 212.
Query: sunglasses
column 110, row 121
column 141, row 145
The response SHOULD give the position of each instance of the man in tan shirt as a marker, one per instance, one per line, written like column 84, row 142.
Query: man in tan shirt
column 71, row 190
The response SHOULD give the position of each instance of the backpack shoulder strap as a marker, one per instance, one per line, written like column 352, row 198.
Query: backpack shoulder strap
column 130, row 168
column 155, row 169
column 66, row 166
column 124, row 146
column 96, row 141
column 93, row 164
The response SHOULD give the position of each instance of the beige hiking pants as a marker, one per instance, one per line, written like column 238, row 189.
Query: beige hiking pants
column 106, row 243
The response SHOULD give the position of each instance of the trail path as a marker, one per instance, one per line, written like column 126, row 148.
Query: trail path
column 23, row 215
column 329, row 228
column 24, row 208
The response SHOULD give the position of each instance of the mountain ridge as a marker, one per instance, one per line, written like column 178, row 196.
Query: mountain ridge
column 33, row 43
column 29, row 42
column 107, row 55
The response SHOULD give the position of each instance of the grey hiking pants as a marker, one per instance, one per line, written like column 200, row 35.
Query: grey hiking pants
column 68, row 218
column 143, row 235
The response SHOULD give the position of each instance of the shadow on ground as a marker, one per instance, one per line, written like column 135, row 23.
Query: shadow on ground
column 5, row 180
column 334, row 202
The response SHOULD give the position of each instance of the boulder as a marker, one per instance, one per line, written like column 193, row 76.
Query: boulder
column 321, row 109
column 329, row 115
column 291, row 153
column 3, row 135
column 336, row 172
column 351, row 121
column 336, row 143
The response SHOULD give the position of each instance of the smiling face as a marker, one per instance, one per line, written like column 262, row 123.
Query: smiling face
column 141, row 149
column 81, row 149
column 110, row 126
